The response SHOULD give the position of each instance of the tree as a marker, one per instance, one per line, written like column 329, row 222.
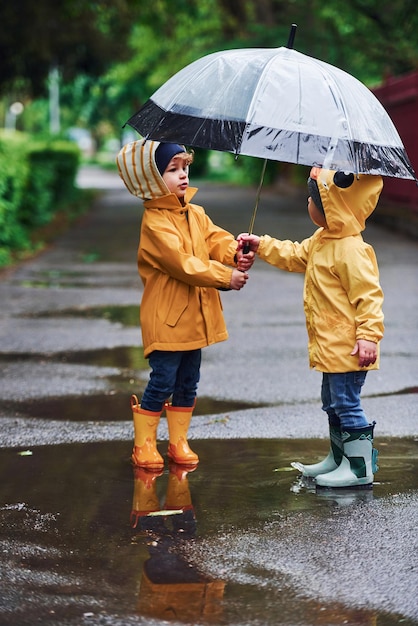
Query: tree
column 160, row 44
column 78, row 36
column 369, row 38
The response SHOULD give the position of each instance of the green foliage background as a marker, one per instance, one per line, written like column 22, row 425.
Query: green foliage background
column 111, row 55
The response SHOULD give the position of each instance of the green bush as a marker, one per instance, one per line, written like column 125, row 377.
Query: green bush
column 37, row 179
column 13, row 176
column 52, row 168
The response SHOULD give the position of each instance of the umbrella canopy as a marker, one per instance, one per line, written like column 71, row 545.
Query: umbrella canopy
column 276, row 104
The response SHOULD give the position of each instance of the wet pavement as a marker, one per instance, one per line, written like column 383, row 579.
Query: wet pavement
column 240, row 540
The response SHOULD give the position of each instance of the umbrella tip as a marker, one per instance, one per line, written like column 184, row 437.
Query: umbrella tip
column 292, row 34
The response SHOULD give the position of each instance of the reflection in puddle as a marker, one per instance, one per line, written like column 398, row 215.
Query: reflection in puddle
column 85, row 534
column 170, row 588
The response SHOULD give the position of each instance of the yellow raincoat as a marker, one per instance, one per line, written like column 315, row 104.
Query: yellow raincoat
column 342, row 295
column 182, row 259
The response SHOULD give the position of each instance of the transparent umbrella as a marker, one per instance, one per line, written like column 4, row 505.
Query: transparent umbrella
column 276, row 104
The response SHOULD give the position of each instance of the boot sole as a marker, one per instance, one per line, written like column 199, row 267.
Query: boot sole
column 183, row 463
column 150, row 466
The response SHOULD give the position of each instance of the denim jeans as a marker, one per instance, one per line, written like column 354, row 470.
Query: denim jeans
column 340, row 395
column 173, row 374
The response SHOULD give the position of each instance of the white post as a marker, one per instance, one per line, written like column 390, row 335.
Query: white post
column 12, row 112
column 54, row 100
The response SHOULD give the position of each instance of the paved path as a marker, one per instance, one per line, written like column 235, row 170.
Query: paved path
column 264, row 362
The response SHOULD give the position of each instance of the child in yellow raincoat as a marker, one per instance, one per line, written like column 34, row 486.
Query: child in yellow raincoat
column 343, row 308
column 183, row 260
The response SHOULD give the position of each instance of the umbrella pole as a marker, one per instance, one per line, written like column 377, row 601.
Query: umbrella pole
column 246, row 247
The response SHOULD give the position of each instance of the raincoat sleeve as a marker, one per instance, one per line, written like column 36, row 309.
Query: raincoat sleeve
column 359, row 275
column 291, row 256
column 221, row 244
column 197, row 255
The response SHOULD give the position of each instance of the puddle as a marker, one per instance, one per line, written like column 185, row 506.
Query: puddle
column 129, row 359
column 124, row 357
column 55, row 279
column 106, row 408
column 79, row 546
column 125, row 315
column 63, row 279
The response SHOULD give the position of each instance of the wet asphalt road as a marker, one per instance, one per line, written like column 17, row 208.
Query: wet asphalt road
column 260, row 375
column 264, row 362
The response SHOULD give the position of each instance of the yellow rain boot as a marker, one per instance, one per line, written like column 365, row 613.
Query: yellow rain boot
column 178, row 419
column 145, row 453
column 145, row 499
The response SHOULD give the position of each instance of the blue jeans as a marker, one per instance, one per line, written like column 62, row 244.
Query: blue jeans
column 173, row 374
column 340, row 395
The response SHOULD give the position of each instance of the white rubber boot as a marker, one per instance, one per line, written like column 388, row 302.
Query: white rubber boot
column 358, row 464
column 330, row 463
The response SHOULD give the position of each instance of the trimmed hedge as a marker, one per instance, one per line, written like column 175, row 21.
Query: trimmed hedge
column 37, row 179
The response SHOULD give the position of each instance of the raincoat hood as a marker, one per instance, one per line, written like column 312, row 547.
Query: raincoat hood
column 138, row 170
column 347, row 199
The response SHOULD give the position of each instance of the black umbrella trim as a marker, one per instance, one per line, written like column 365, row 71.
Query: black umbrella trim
column 316, row 150
column 153, row 122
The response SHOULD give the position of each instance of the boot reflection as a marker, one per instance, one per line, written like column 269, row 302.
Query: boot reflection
column 340, row 497
column 346, row 497
column 145, row 499
column 178, row 498
column 170, row 588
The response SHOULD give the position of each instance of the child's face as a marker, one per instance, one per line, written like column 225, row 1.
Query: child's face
column 315, row 214
column 176, row 176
